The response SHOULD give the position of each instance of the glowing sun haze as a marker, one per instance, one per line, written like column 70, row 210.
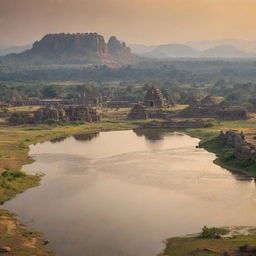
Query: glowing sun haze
column 134, row 21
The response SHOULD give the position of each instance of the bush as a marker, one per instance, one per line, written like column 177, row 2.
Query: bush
column 12, row 175
column 212, row 233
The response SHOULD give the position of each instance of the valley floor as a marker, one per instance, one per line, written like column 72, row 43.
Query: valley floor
column 14, row 148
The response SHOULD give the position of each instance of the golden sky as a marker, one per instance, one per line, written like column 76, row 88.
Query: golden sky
column 134, row 21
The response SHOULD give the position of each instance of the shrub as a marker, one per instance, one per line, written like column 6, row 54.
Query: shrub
column 212, row 233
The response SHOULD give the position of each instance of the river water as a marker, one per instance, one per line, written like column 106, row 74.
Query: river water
column 122, row 193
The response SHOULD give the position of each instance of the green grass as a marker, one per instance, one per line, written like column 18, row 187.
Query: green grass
column 227, row 159
column 196, row 246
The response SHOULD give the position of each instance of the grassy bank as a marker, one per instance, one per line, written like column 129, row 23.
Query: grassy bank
column 195, row 246
column 225, row 156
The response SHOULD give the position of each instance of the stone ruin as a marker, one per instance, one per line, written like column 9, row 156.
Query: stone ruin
column 207, row 108
column 82, row 113
column 243, row 149
column 138, row 112
column 50, row 113
column 154, row 98
column 152, row 106
column 233, row 113
column 66, row 114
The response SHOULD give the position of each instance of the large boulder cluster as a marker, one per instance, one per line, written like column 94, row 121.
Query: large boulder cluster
column 243, row 149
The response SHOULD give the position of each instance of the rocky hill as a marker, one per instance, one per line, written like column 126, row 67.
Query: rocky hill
column 88, row 48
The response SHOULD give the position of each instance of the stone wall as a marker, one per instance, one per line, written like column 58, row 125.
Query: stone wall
column 243, row 149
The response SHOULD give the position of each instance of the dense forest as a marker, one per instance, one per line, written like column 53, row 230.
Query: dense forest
column 231, row 82
column 184, row 71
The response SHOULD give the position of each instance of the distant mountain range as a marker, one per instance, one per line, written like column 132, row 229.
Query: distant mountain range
column 88, row 48
column 91, row 48
column 4, row 50
column 226, row 48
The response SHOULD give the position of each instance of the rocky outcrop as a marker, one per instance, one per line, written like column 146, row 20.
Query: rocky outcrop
column 243, row 149
column 81, row 48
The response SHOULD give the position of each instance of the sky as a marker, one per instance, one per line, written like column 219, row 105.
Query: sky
column 134, row 21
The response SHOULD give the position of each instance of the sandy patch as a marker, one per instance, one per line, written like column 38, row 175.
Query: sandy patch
column 8, row 224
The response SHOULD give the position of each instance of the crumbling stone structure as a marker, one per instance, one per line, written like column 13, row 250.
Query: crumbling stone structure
column 67, row 114
column 243, row 149
column 50, row 113
column 213, row 111
column 138, row 112
column 154, row 98
column 233, row 113
column 82, row 113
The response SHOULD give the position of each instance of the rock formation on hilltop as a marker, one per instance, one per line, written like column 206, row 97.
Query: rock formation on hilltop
column 88, row 48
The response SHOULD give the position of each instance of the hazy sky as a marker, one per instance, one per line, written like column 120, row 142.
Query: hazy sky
column 135, row 21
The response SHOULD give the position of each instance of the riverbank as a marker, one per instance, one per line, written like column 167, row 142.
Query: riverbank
column 234, row 243
column 225, row 155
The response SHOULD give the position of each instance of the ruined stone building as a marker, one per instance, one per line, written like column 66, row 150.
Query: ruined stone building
column 154, row 98
column 214, row 111
column 82, row 113
column 66, row 114
column 138, row 112
column 50, row 113
column 233, row 113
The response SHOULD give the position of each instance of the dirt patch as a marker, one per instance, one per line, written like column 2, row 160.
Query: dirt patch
column 31, row 242
column 7, row 224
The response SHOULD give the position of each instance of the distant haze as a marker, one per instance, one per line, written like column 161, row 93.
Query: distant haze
column 134, row 21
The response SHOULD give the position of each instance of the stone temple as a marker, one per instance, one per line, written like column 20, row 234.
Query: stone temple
column 154, row 98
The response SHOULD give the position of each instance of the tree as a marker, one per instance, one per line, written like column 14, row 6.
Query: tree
column 50, row 92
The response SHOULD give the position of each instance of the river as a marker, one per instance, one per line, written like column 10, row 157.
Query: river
column 122, row 193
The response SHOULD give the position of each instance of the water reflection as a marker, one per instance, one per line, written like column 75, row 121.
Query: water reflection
column 86, row 137
column 59, row 139
column 151, row 135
